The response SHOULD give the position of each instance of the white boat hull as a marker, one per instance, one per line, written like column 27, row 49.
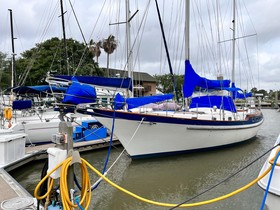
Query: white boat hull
column 273, row 196
column 149, row 138
column 37, row 133
column 40, row 130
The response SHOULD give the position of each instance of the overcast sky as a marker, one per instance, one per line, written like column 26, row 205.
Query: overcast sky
column 37, row 20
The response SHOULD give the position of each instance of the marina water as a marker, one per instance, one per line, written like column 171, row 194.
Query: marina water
column 176, row 178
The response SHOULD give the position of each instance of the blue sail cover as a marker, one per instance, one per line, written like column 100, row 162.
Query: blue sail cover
column 102, row 81
column 38, row 89
column 119, row 102
column 221, row 102
column 79, row 93
column 192, row 79
column 140, row 101
column 243, row 95
column 238, row 93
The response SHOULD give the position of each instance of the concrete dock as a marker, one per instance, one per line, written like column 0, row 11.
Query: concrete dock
column 10, row 189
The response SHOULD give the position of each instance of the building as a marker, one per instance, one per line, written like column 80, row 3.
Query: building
column 144, row 84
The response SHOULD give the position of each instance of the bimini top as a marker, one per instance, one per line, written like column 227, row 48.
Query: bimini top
column 139, row 101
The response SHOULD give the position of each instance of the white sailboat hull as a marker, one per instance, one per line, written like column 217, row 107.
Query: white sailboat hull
column 149, row 138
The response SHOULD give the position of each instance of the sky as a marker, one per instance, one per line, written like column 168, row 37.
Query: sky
column 36, row 21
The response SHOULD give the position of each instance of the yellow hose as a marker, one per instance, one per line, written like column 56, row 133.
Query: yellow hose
column 173, row 205
column 67, row 204
column 86, row 191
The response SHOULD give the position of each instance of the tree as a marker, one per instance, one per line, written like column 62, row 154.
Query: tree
column 94, row 48
column 95, row 51
column 164, row 83
column 47, row 57
column 5, row 71
column 109, row 45
column 254, row 90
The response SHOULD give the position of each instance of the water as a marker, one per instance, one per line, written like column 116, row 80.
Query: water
column 177, row 178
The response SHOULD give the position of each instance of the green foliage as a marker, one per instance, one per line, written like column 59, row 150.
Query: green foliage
column 165, row 85
column 48, row 57
column 5, row 72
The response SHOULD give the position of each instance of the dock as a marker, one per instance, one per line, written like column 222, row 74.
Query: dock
column 11, row 190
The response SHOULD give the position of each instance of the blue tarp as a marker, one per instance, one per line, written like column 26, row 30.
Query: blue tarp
column 79, row 93
column 22, row 104
column 38, row 89
column 119, row 102
column 221, row 102
column 140, row 101
column 102, row 81
column 192, row 79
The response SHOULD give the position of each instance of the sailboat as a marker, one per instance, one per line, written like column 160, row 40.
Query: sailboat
column 208, row 122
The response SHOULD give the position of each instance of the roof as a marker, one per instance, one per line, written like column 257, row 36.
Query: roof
column 137, row 76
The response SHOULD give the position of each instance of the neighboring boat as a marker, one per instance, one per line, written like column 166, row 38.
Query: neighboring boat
column 271, row 183
column 31, row 115
column 211, row 120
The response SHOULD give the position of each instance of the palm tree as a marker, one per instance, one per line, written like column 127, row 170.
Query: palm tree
column 94, row 48
column 109, row 45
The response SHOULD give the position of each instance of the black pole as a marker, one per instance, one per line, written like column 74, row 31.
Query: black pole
column 167, row 53
column 64, row 37
column 13, row 50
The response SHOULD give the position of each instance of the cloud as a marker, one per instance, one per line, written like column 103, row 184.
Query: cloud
column 36, row 21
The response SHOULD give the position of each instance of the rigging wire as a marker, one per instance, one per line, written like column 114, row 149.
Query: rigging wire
column 37, row 50
column 82, row 57
column 85, row 42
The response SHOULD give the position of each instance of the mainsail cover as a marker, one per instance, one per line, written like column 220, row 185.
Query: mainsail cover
column 192, row 79
column 238, row 92
column 101, row 81
column 119, row 101
column 38, row 89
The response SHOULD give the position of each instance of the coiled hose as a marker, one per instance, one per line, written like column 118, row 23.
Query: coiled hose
column 64, row 189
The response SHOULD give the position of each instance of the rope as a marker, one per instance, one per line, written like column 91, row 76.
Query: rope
column 183, row 205
column 106, row 172
column 228, row 178
column 95, row 185
column 86, row 192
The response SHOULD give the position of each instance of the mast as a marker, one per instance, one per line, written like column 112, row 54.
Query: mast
column 64, row 37
column 233, row 45
column 187, row 44
column 13, row 81
column 128, row 47
column 187, row 30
